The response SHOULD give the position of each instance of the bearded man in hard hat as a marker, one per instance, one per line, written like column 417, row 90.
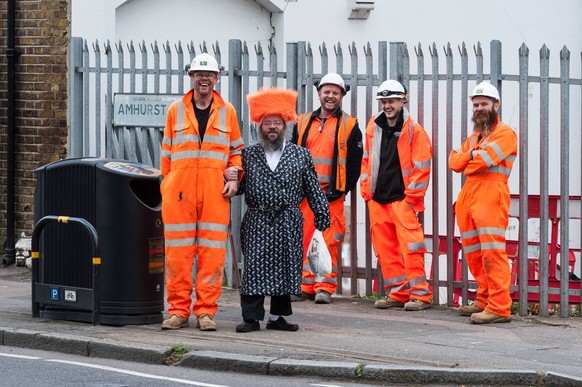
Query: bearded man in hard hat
column 395, row 176
column 482, row 209
column 278, row 176
column 335, row 141
column 201, row 139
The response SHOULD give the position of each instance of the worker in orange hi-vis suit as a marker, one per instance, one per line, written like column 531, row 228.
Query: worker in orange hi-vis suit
column 201, row 141
column 334, row 140
column 394, row 180
column 486, row 158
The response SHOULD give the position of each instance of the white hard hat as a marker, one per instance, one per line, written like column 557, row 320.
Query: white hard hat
column 391, row 89
column 332, row 79
column 204, row 62
column 485, row 89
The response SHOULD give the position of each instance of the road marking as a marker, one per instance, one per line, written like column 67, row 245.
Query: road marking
column 20, row 356
column 134, row 373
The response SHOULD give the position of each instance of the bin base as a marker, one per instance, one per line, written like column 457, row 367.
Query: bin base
column 106, row 319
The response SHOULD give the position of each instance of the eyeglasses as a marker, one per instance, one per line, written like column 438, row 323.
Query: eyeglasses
column 204, row 75
column 386, row 93
column 268, row 124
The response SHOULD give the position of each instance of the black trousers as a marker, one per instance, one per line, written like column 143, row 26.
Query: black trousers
column 253, row 307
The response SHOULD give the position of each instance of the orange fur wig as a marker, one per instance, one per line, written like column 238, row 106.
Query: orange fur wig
column 273, row 101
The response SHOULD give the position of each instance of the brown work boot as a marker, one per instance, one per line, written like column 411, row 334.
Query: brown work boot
column 206, row 322
column 468, row 310
column 322, row 297
column 416, row 305
column 175, row 322
column 388, row 302
column 488, row 318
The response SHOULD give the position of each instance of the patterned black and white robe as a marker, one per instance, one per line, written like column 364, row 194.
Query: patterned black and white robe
column 272, row 227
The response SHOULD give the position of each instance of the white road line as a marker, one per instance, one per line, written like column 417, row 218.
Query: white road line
column 140, row 374
column 20, row 356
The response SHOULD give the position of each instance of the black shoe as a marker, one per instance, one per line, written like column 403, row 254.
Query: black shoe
column 282, row 325
column 302, row 297
column 248, row 326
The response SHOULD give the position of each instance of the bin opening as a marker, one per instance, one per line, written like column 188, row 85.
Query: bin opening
column 148, row 192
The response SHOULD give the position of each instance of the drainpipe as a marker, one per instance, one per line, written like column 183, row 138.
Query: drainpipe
column 11, row 54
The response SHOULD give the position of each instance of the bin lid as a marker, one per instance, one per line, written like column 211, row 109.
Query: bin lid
column 131, row 168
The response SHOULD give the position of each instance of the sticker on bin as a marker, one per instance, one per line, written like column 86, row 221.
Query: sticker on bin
column 70, row 295
column 132, row 168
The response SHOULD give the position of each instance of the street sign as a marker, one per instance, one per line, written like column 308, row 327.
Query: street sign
column 147, row 110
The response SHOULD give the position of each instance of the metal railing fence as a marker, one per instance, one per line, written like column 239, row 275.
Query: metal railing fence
column 439, row 87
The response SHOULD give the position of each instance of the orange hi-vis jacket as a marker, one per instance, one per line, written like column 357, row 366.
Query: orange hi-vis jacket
column 482, row 212
column 182, row 148
column 331, row 159
column 414, row 152
column 195, row 213
column 494, row 158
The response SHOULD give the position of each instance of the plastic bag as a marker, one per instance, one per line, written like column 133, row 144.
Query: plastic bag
column 318, row 255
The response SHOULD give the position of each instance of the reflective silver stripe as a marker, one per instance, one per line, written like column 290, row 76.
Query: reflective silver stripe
column 416, row 246
column 485, row 157
column 417, row 185
column 472, row 248
column 306, row 267
column 308, row 281
column 190, row 154
column 500, row 169
column 483, row 231
column 237, row 143
column 363, row 176
column 401, row 287
column 180, row 227
column 166, row 153
column 235, row 152
column 195, row 154
column 182, row 242
column 179, row 117
column 323, row 179
column 167, row 141
column 338, row 237
column 214, row 155
column 327, row 280
column 395, row 280
column 473, row 141
column 484, row 246
column 212, row 226
column 406, row 172
column 510, row 158
column 366, row 153
column 184, row 138
column 222, row 119
column 212, row 243
column 493, row 246
column 419, row 292
column 422, row 164
column 342, row 160
column 319, row 160
column 416, row 281
column 497, row 150
column 459, row 150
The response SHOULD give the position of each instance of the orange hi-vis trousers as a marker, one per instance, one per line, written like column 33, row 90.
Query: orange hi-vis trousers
column 482, row 212
column 398, row 242
column 333, row 236
column 196, row 218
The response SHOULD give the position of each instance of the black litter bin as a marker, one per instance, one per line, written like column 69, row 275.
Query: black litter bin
column 123, row 203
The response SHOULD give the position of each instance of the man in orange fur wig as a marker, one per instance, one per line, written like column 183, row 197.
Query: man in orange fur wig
column 278, row 175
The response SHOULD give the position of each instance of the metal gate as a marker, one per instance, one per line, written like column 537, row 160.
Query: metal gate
column 439, row 94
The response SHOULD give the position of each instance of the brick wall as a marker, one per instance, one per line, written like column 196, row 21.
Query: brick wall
column 41, row 124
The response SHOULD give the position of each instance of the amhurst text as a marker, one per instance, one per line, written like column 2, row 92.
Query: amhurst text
column 142, row 109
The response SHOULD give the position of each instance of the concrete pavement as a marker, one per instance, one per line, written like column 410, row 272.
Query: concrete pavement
column 347, row 339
